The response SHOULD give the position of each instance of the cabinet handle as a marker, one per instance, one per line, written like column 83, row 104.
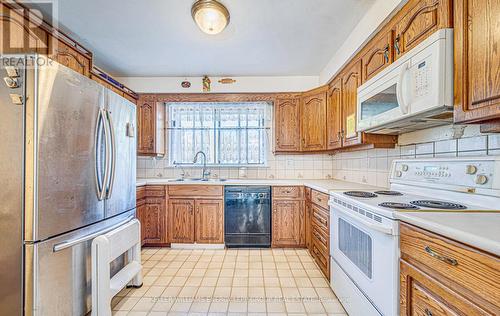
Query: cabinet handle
column 428, row 312
column 338, row 136
column 434, row 254
column 386, row 53
column 342, row 134
column 396, row 45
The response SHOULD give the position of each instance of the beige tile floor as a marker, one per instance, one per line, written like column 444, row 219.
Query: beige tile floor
column 229, row 282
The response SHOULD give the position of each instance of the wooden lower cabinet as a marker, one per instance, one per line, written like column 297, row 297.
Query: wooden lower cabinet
column 181, row 220
column 151, row 211
column 286, row 223
column 153, row 218
column 439, row 276
column 209, row 221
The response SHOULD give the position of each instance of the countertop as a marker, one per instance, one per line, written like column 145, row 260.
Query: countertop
column 324, row 186
column 479, row 230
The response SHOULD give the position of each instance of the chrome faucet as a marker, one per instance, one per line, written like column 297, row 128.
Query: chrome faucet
column 205, row 173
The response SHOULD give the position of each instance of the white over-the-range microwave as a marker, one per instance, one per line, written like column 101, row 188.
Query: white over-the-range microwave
column 414, row 92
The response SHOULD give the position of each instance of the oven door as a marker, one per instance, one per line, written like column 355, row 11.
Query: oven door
column 367, row 251
column 384, row 99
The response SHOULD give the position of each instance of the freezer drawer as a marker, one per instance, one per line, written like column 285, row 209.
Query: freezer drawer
column 58, row 270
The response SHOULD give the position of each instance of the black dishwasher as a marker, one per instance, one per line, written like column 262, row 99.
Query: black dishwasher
column 247, row 216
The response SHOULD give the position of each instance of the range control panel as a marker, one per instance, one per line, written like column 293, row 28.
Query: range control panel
column 472, row 173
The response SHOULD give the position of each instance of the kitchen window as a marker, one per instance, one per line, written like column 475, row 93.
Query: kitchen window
column 230, row 134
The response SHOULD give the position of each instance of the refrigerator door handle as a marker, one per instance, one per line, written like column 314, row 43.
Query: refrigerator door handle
column 98, row 156
column 70, row 243
column 107, row 132
column 113, row 154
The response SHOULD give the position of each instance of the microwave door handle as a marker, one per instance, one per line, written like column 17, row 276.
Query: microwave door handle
column 380, row 228
column 403, row 106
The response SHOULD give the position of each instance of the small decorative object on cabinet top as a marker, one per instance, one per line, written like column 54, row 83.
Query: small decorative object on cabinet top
column 186, row 84
column 206, row 84
column 227, row 81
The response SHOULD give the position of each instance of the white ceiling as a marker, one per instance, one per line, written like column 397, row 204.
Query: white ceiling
column 159, row 37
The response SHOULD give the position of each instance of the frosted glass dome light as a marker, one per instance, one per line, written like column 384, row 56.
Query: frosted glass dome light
column 211, row 16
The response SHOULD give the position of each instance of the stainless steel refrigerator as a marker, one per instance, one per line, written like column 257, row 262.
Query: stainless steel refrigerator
column 67, row 175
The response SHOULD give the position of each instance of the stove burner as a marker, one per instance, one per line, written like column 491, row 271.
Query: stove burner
column 439, row 205
column 388, row 192
column 361, row 194
column 399, row 206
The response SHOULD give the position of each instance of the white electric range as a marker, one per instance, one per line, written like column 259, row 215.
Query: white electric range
column 364, row 234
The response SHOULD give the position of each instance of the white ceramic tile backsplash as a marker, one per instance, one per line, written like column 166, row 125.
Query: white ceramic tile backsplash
column 365, row 166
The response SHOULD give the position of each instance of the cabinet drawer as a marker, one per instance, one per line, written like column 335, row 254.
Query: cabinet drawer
column 320, row 198
column 321, row 237
column 195, row 190
column 140, row 193
column 471, row 269
column 294, row 192
column 320, row 217
column 155, row 191
column 321, row 258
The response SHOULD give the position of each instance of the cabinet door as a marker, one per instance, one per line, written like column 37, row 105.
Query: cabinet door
column 181, row 220
column 351, row 80
column 287, row 125
column 153, row 225
column 209, row 221
column 423, row 295
column 377, row 55
column 140, row 211
column 334, row 114
column 146, row 127
column 69, row 57
column 419, row 19
column 286, row 223
column 313, row 124
column 477, row 60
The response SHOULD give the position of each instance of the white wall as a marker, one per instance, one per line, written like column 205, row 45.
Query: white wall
column 381, row 11
column 242, row 84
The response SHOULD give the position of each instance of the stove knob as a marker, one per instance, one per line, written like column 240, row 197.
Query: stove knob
column 471, row 169
column 404, row 167
column 399, row 173
column 481, row 179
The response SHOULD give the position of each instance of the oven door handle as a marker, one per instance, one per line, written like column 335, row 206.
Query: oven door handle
column 380, row 228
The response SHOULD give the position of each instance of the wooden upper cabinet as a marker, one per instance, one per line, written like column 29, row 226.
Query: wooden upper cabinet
column 21, row 32
column 334, row 115
column 287, row 125
column 69, row 56
column 150, row 127
column 286, row 223
column 181, row 221
column 417, row 20
column 209, row 221
column 377, row 55
column 351, row 80
column 313, row 123
column 477, row 60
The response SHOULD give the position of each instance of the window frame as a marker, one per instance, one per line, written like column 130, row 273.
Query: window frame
column 263, row 127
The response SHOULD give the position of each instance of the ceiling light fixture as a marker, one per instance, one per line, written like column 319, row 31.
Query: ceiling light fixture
column 211, row 16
